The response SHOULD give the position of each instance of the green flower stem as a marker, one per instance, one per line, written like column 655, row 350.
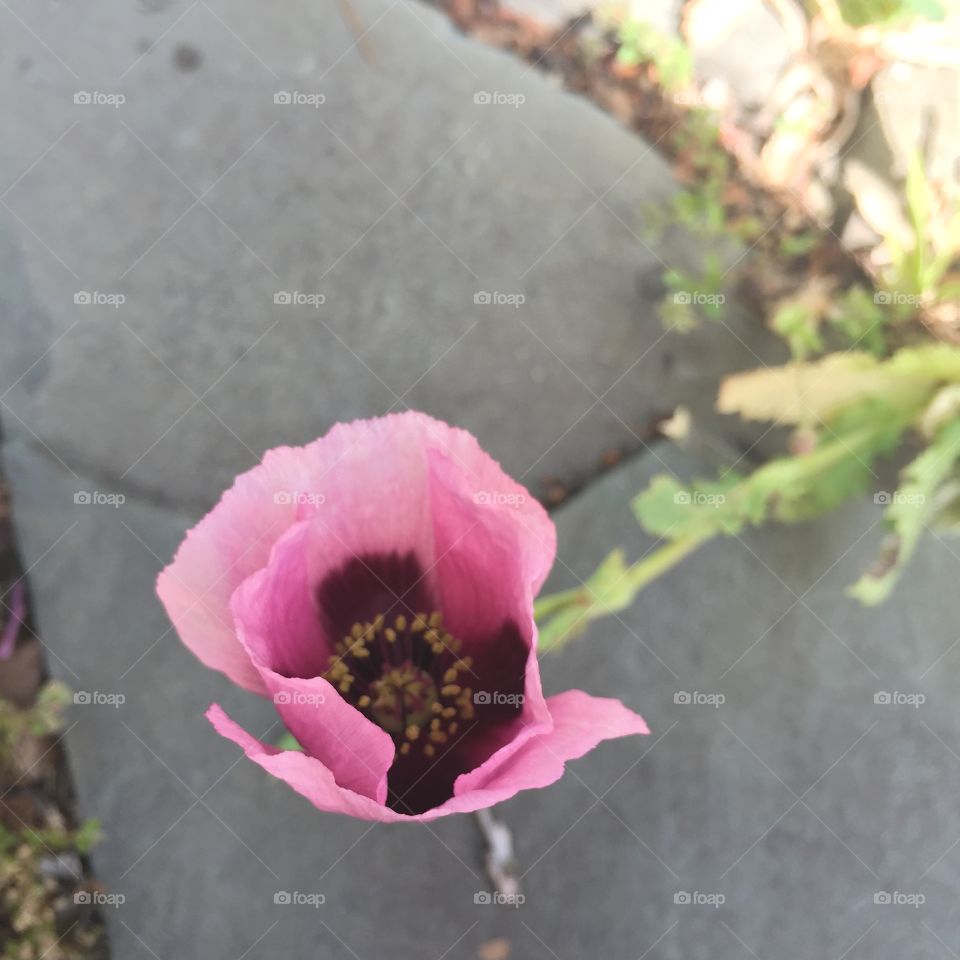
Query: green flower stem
column 564, row 615
column 614, row 586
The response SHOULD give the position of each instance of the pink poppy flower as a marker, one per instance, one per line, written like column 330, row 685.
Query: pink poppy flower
column 378, row 585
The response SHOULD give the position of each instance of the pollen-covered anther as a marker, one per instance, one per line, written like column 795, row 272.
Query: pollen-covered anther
column 405, row 677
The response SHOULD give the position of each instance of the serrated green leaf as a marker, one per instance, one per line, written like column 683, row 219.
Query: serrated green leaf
column 673, row 511
column 788, row 489
column 910, row 508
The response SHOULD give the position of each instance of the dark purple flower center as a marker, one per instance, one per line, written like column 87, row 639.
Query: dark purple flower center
column 407, row 677
column 445, row 711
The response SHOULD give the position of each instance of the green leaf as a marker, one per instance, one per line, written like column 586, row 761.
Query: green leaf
column 671, row 510
column 860, row 320
column 797, row 323
column 910, row 509
column 787, row 489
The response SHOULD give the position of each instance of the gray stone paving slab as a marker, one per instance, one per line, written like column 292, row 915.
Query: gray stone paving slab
column 798, row 799
column 399, row 200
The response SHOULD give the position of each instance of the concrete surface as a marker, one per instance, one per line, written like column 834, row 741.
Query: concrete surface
column 399, row 200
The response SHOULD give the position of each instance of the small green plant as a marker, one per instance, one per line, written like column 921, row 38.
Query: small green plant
column 34, row 898
column 42, row 719
column 39, row 865
column 917, row 274
column 848, row 410
column 817, row 316
column 865, row 377
column 639, row 43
